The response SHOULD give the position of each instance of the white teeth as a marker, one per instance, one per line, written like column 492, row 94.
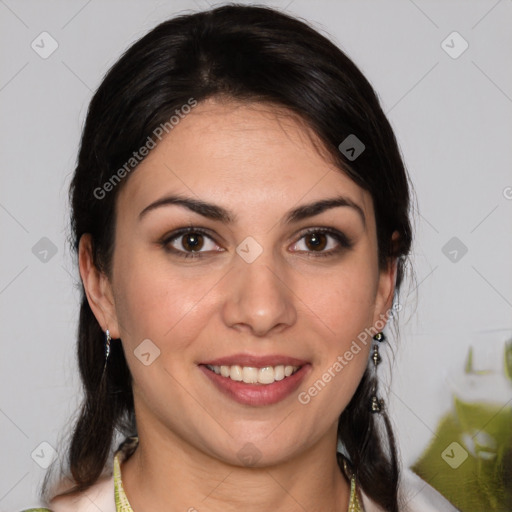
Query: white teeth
column 288, row 370
column 279, row 372
column 266, row 375
column 252, row 375
column 235, row 373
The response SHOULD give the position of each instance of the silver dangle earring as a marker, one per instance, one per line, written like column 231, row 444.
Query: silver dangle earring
column 376, row 404
column 107, row 348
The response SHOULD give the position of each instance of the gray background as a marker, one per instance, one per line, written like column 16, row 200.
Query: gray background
column 453, row 120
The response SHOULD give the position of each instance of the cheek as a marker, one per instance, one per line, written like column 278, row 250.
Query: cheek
column 154, row 302
column 343, row 312
column 344, row 299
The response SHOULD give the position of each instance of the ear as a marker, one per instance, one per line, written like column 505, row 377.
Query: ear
column 386, row 286
column 97, row 288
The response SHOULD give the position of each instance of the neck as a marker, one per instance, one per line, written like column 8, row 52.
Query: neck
column 165, row 474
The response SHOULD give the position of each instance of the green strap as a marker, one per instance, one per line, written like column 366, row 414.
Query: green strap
column 37, row 510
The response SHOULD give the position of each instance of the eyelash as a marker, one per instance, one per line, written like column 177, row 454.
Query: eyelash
column 344, row 242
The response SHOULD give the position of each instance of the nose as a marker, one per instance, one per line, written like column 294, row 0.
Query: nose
column 258, row 297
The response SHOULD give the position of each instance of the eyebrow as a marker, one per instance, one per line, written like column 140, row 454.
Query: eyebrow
column 218, row 213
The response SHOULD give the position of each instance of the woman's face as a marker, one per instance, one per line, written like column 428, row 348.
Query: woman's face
column 247, row 292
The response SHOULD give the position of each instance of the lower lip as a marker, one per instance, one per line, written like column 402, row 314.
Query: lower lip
column 257, row 394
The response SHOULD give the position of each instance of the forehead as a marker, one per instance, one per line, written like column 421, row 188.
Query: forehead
column 249, row 155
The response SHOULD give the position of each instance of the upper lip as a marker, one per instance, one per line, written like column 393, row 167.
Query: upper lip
column 255, row 361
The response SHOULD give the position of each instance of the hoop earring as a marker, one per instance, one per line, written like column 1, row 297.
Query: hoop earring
column 376, row 404
column 108, row 338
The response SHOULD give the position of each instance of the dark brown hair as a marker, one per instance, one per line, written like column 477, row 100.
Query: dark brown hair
column 253, row 54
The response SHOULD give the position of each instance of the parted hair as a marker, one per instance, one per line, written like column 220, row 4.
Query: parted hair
column 245, row 53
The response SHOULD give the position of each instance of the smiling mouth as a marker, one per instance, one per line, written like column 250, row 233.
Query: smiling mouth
column 252, row 375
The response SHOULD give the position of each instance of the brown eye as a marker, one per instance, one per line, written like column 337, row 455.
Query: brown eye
column 192, row 241
column 316, row 241
column 323, row 242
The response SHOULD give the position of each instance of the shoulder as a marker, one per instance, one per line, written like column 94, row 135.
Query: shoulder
column 98, row 497
column 416, row 496
column 419, row 496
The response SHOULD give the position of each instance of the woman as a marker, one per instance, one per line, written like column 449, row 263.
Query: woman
column 240, row 211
